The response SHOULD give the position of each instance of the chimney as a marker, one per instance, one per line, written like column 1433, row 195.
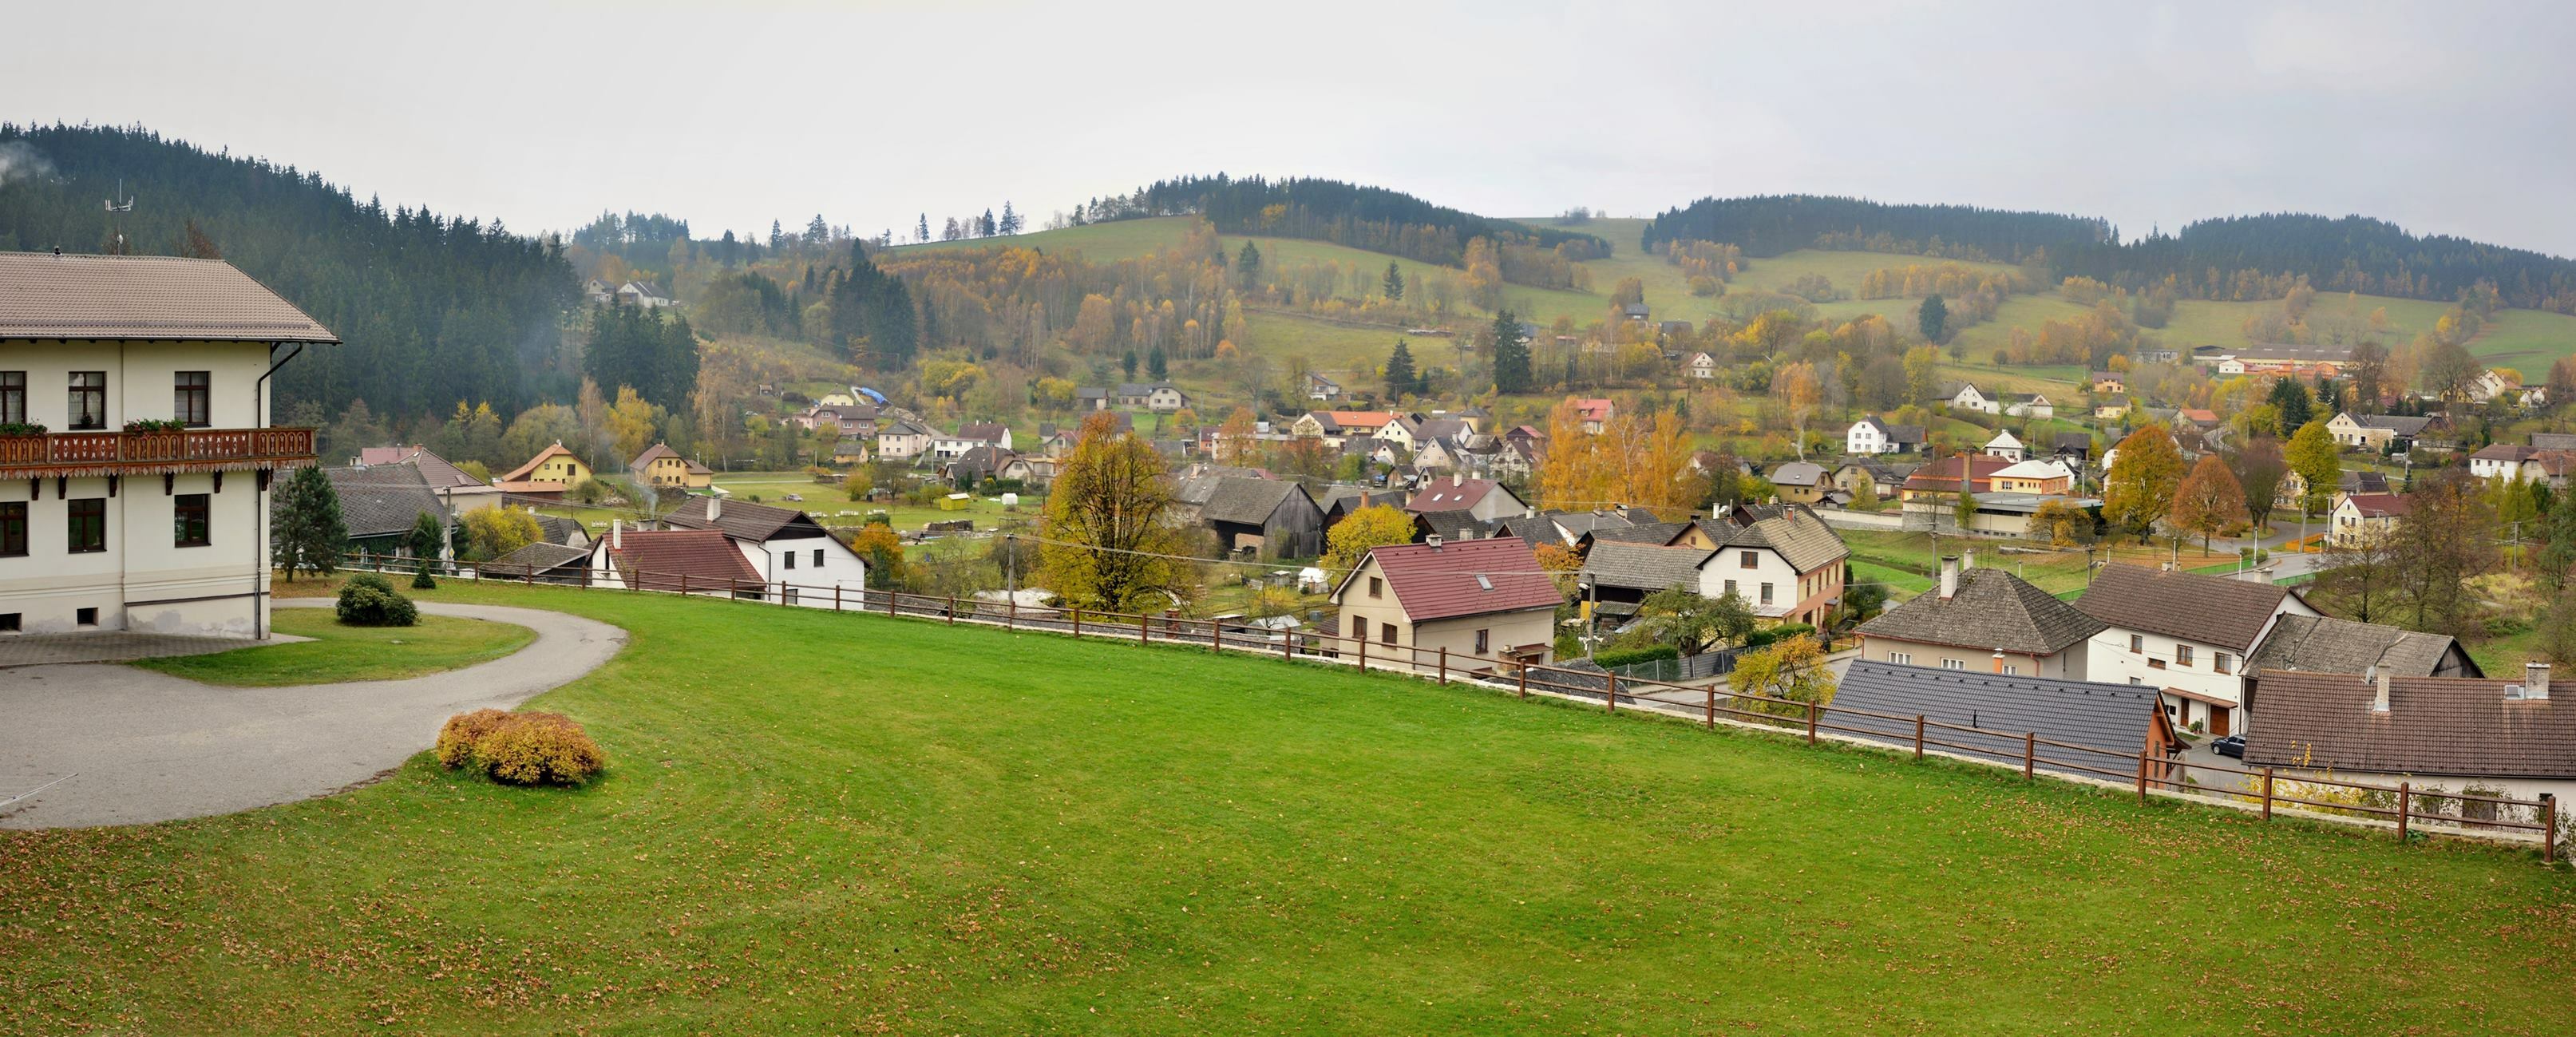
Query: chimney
column 715, row 508
column 2379, row 691
column 617, row 534
column 1433, row 541
column 1457, row 478
column 1949, row 577
column 2535, row 681
column 1967, row 559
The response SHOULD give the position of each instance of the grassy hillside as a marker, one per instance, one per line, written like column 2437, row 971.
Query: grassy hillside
column 1158, row 841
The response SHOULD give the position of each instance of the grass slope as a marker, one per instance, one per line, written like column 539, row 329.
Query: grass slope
column 345, row 653
column 834, row 823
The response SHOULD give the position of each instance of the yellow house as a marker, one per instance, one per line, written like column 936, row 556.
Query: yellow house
column 662, row 467
column 553, row 464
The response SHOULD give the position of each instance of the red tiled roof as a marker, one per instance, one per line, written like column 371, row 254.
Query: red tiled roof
column 1594, row 409
column 1360, row 418
column 1464, row 578
column 2375, row 505
column 1443, row 495
column 706, row 559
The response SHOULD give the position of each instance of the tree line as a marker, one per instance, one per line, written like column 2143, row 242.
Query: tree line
column 1772, row 224
column 1371, row 218
column 431, row 309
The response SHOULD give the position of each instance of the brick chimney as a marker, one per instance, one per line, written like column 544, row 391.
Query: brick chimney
column 1949, row 576
column 2379, row 690
column 2535, row 681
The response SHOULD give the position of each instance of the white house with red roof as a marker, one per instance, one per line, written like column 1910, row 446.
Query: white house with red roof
column 1485, row 601
column 1596, row 413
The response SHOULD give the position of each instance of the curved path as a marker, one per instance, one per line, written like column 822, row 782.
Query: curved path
column 151, row 747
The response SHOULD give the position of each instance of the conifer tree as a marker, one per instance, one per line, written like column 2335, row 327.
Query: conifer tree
column 309, row 533
column 1394, row 282
column 1511, row 354
column 1400, row 376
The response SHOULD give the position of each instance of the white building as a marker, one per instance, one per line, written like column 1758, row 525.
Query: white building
column 2185, row 633
column 1966, row 397
column 1872, row 436
column 2005, row 445
column 162, row 530
column 787, row 548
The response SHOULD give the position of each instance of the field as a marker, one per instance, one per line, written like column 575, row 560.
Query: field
column 344, row 653
column 827, row 503
column 979, row 832
column 1910, row 563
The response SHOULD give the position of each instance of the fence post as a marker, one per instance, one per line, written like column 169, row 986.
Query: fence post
column 2548, row 828
column 1144, row 631
column 2029, row 752
column 1011, row 615
column 1811, row 723
column 1524, row 671
column 1363, row 654
column 1288, row 645
column 1712, row 707
column 1613, row 697
column 684, row 583
column 1444, row 664
column 1216, row 636
column 2142, row 775
column 1918, row 737
column 2267, row 793
column 2405, row 806
column 1077, row 622
column 952, row 610
column 836, row 597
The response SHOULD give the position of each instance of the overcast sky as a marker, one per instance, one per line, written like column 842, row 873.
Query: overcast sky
column 2446, row 118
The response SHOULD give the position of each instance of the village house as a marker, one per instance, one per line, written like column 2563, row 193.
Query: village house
column 1484, row 601
column 2024, row 711
column 1936, row 485
column 2045, row 478
column 1595, row 414
column 2324, row 644
column 1321, row 388
column 2186, row 633
column 688, row 561
column 1618, row 574
column 784, row 546
column 455, row 487
column 1783, row 561
column 1486, row 499
column 2375, row 431
column 985, row 462
column 1090, row 398
column 1253, row 514
column 902, row 439
column 1159, row 397
column 645, row 294
column 380, row 506
column 1874, row 480
column 2361, row 519
column 543, row 562
column 949, row 447
column 2005, row 445
column 2111, row 408
column 662, row 468
column 1701, row 366
column 546, row 475
column 1340, row 426
column 2507, row 736
column 1801, row 482
column 1983, row 621
column 2109, row 382
column 159, row 531
column 1965, row 396
column 1871, row 436
column 2075, row 448
column 2028, row 405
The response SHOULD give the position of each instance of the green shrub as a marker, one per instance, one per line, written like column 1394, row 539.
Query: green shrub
column 1632, row 656
column 368, row 601
column 521, row 748
column 1775, row 634
column 421, row 580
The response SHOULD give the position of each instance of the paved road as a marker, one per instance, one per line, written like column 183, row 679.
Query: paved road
column 152, row 747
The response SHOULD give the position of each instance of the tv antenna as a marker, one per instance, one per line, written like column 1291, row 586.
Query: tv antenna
column 116, row 227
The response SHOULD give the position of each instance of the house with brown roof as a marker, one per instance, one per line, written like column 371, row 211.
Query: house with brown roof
column 1983, row 621
column 782, row 545
column 546, row 475
column 2359, row 519
column 1935, row 485
column 1486, row 499
column 2383, row 728
column 106, row 527
column 1595, row 412
column 688, row 561
column 661, row 467
column 1482, row 600
column 2186, row 633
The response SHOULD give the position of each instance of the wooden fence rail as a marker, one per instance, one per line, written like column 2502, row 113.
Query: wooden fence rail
column 2024, row 751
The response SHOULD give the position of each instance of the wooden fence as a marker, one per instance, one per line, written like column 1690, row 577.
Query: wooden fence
column 2404, row 807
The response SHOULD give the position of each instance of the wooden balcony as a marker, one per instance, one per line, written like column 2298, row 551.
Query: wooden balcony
column 85, row 454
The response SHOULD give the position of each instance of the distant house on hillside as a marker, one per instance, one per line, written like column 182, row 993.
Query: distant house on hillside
column 1595, row 413
column 1701, row 366
column 645, row 294
column 1871, row 436
column 661, row 467
column 546, row 475
column 1322, row 389
column 1966, row 396
column 1484, row 498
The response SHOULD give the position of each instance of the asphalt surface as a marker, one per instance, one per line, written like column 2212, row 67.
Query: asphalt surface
column 140, row 746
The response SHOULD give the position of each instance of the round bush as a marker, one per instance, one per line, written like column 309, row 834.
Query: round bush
column 368, row 601
column 421, row 581
column 521, row 748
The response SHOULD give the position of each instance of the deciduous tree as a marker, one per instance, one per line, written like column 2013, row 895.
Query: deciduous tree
column 2312, row 454
column 2208, row 501
column 2140, row 486
column 1377, row 525
column 1110, row 539
column 1793, row 670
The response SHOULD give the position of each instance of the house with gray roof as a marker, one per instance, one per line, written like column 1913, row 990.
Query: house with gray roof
column 1620, row 574
column 381, row 503
column 1273, row 518
column 2324, row 644
column 542, row 562
column 1985, row 621
column 2014, row 714
column 1781, row 559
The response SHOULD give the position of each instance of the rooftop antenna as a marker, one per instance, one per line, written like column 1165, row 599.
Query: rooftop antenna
column 116, row 227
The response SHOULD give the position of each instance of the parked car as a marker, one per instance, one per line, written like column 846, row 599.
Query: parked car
column 2232, row 745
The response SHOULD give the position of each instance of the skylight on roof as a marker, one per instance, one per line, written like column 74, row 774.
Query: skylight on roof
column 1483, row 582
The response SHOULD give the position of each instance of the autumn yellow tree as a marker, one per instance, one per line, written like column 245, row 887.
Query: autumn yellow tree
column 630, row 423
column 1110, row 541
column 1377, row 525
column 1797, row 390
column 2208, row 502
column 1234, row 442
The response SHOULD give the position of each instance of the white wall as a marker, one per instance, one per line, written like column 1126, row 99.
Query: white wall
column 2109, row 660
column 1769, row 567
column 841, row 567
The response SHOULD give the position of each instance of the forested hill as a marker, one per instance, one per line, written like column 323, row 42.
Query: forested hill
column 2237, row 257
column 1773, row 224
column 433, row 309
column 1372, row 218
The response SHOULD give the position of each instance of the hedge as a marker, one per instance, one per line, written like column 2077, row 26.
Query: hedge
column 1633, row 656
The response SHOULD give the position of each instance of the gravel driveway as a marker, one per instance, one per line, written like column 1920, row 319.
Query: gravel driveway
column 150, row 747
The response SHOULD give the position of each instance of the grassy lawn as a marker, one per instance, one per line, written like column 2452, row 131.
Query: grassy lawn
column 344, row 653
column 834, row 508
column 1158, row 841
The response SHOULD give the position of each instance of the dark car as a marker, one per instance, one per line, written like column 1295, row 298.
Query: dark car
column 2232, row 745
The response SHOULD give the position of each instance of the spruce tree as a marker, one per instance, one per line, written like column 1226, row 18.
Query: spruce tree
column 922, row 231
column 1127, row 364
column 1511, row 354
column 1394, row 282
column 1156, row 366
column 1400, row 378
column 1247, row 267
column 1933, row 319
column 309, row 533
